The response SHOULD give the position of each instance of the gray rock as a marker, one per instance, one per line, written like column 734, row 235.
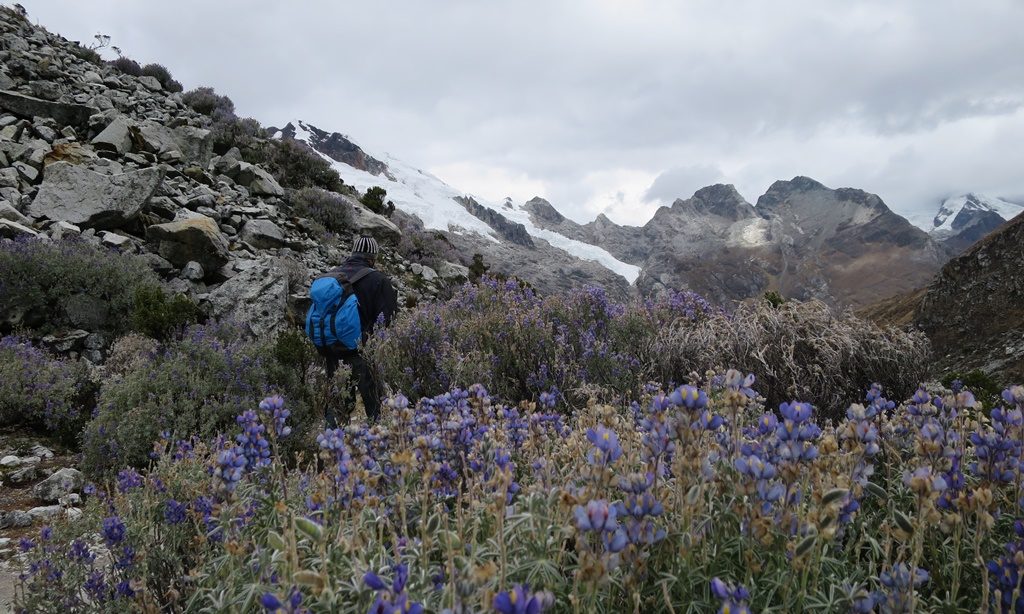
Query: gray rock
column 27, row 171
column 9, row 178
column 159, row 265
column 93, row 200
column 14, row 230
column 151, row 83
column 114, row 240
column 63, row 229
column 259, row 181
column 196, row 239
column 7, row 212
column 62, row 483
column 24, row 474
column 193, row 271
column 116, row 137
column 15, row 519
column 46, row 133
column 27, row 106
column 41, row 451
column 263, row 234
column 65, row 342
column 10, row 461
column 257, row 297
column 450, row 271
column 70, row 500
column 416, row 268
column 369, row 223
column 428, row 273
column 44, row 511
column 195, row 144
column 95, row 341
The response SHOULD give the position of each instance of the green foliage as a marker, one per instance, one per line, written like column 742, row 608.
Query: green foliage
column 47, row 286
column 161, row 74
column 159, row 316
column 329, row 211
column 984, row 387
column 208, row 102
column 296, row 166
column 196, row 386
column 477, row 269
column 38, row 390
column 374, row 201
column 244, row 133
column 774, row 299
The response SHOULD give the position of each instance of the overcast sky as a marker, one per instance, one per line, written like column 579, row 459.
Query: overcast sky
column 616, row 106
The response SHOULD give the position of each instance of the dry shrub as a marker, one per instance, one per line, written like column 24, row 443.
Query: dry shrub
column 801, row 351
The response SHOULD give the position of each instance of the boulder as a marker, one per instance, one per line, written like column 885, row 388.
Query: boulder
column 195, row 144
column 263, row 234
column 24, row 474
column 195, row 239
column 151, row 83
column 112, row 239
column 15, row 519
column 116, row 137
column 29, row 107
column 9, row 178
column 259, row 181
column 428, row 273
column 7, row 212
column 72, row 153
column 193, row 271
column 367, row 222
column 257, row 297
column 10, row 461
column 14, row 230
column 60, row 484
column 44, row 511
column 450, row 271
column 93, row 200
column 66, row 342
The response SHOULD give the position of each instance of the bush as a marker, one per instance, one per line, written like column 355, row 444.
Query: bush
column 518, row 345
column 799, row 351
column 48, row 286
column 206, row 101
column 87, row 54
column 196, row 386
column 244, row 133
column 38, row 390
column 296, row 166
column 128, row 66
column 331, row 212
column 158, row 316
column 429, row 248
column 984, row 387
column 161, row 74
column 374, row 201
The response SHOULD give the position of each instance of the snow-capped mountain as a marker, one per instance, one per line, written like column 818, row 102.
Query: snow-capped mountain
column 503, row 232
column 962, row 220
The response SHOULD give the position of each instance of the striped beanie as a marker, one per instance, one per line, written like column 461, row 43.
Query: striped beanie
column 366, row 245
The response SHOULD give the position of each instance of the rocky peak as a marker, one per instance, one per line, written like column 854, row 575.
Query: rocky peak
column 544, row 210
column 720, row 199
column 335, row 146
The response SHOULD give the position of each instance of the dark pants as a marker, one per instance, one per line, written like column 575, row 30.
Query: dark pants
column 362, row 378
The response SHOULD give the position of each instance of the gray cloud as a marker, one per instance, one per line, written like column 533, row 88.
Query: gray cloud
column 604, row 104
column 682, row 181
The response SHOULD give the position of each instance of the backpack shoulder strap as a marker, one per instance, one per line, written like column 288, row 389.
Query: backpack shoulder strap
column 361, row 273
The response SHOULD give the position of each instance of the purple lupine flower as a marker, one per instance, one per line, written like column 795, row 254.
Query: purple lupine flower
column 519, row 600
column 113, row 530
column 596, row 516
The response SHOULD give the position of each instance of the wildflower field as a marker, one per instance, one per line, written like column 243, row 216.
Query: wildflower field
column 698, row 495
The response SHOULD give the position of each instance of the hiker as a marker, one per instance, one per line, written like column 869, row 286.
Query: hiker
column 347, row 303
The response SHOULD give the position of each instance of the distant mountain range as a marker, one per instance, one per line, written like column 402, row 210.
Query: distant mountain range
column 965, row 219
column 802, row 239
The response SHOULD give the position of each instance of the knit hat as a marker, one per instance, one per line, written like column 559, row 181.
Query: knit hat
column 366, row 245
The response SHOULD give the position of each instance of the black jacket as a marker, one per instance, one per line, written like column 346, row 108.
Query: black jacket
column 375, row 293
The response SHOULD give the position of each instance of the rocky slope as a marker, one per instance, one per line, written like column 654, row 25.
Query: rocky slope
column 964, row 220
column 117, row 160
column 973, row 311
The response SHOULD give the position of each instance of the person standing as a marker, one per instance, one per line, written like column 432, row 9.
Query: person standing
column 378, row 302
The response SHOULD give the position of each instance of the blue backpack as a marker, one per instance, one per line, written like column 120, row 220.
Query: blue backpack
column 333, row 318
